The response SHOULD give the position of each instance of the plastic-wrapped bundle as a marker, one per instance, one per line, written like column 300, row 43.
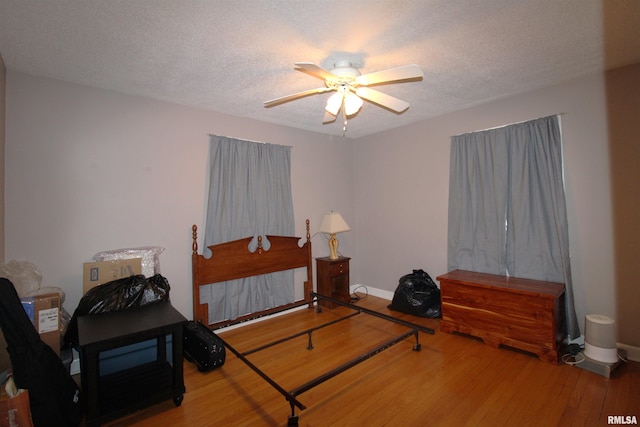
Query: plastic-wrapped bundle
column 117, row 295
column 148, row 255
column 25, row 276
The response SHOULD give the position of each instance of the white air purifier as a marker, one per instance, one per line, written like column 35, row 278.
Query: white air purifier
column 600, row 338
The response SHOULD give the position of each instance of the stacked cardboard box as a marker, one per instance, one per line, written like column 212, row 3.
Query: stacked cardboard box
column 97, row 273
column 44, row 312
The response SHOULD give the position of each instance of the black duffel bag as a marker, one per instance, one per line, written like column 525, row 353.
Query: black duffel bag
column 203, row 347
column 417, row 294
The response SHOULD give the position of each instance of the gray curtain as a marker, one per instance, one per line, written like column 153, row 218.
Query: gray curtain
column 507, row 209
column 249, row 195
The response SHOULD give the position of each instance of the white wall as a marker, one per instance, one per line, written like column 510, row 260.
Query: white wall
column 89, row 170
column 401, row 214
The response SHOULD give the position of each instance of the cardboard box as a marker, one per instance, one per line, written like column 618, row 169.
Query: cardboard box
column 97, row 273
column 44, row 313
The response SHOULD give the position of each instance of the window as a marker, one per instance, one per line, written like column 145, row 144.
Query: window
column 507, row 209
column 249, row 195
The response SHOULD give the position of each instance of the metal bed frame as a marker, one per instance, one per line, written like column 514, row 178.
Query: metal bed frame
column 232, row 260
column 292, row 395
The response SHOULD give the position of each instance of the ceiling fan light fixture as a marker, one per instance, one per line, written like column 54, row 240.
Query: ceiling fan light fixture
column 352, row 88
column 352, row 104
column 334, row 103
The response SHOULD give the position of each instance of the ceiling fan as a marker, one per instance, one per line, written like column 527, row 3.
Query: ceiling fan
column 351, row 87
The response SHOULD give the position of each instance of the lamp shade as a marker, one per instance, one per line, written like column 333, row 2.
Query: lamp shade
column 333, row 223
column 352, row 103
column 334, row 103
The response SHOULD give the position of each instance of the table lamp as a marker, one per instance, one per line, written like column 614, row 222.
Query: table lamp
column 332, row 224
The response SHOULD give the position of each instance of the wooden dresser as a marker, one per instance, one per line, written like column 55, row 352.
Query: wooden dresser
column 520, row 313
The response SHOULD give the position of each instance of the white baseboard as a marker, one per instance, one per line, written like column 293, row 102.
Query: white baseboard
column 633, row 352
column 362, row 290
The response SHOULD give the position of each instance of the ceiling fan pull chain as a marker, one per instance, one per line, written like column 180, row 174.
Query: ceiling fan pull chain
column 344, row 115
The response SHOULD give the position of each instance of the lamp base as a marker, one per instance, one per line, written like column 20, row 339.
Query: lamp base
column 333, row 247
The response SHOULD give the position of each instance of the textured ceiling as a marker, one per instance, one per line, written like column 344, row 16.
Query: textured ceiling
column 231, row 56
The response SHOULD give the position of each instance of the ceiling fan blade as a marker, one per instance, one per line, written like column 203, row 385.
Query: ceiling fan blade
column 328, row 118
column 391, row 75
column 293, row 96
column 315, row 70
column 382, row 99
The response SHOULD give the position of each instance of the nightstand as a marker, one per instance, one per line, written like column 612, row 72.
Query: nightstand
column 114, row 395
column 333, row 279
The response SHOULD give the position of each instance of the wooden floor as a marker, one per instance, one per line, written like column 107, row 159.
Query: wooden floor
column 452, row 381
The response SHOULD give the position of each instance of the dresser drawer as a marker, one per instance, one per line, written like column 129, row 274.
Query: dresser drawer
column 339, row 268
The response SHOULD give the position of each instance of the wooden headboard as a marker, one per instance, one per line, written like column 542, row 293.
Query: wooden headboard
column 232, row 260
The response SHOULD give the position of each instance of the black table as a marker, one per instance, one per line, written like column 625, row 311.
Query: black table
column 111, row 396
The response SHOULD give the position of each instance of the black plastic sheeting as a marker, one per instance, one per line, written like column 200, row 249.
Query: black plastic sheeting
column 117, row 295
column 417, row 294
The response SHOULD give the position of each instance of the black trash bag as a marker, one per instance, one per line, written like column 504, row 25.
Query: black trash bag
column 117, row 295
column 417, row 294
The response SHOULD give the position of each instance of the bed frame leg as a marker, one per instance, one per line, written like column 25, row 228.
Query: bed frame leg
column 417, row 346
column 310, row 345
column 293, row 418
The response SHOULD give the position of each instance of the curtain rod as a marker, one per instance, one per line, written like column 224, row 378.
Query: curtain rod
column 248, row 140
column 510, row 124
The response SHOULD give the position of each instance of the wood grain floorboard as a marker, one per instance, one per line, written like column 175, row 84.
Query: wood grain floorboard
column 453, row 381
